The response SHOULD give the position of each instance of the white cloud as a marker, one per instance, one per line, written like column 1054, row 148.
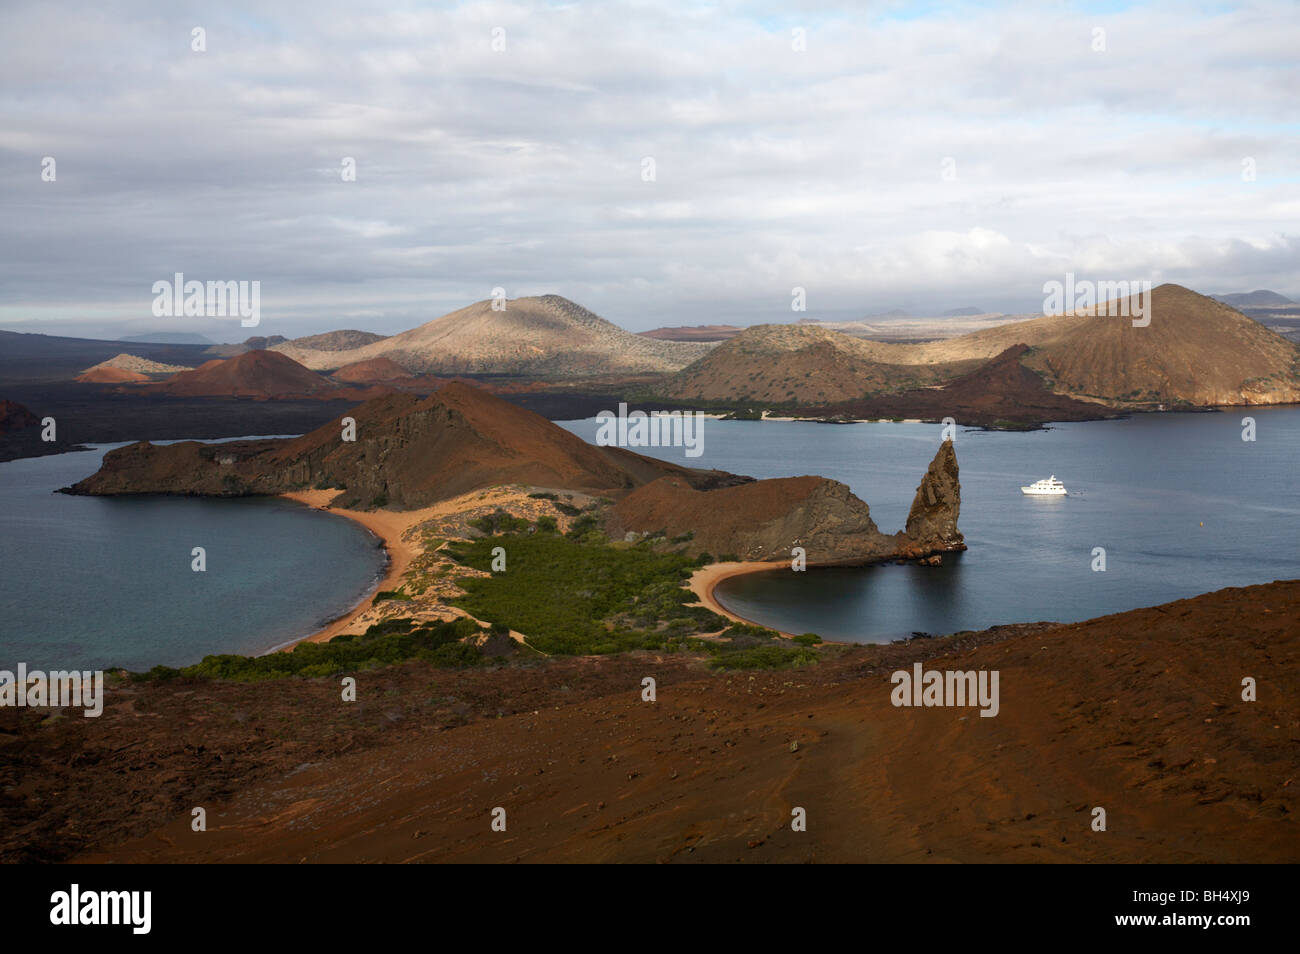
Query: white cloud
column 523, row 168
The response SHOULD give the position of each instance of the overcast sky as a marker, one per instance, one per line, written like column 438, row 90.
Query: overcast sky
column 522, row 168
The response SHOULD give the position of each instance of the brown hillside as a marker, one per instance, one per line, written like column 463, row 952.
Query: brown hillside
column 805, row 364
column 694, row 333
column 458, row 439
column 109, row 375
column 373, row 371
column 409, row 452
column 15, row 417
column 762, row 520
column 547, row 336
column 1140, row 712
column 1002, row 390
column 345, row 340
column 130, row 362
column 1195, row 351
column 259, row 374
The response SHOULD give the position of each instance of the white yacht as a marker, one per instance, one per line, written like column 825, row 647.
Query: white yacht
column 1051, row 487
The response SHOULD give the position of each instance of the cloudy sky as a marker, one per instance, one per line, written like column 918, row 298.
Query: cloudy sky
column 917, row 156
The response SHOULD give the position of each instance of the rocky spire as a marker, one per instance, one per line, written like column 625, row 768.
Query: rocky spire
column 932, row 521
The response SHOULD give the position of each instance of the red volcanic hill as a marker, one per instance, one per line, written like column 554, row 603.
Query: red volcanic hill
column 106, row 375
column 458, row 439
column 257, row 374
column 409, row 451
column 15, row 417
column 373, row 371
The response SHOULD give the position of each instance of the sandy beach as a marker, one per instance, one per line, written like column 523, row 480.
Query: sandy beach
column 706, row 579
column 388, row 526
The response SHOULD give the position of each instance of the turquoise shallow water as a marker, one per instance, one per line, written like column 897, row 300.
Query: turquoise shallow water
column 1140, row 488
column 91, row 582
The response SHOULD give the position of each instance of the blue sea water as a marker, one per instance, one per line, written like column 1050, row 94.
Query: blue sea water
column 1179, row 502
column 92, row 582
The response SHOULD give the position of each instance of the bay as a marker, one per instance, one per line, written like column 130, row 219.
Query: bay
column 1178, row 501
column 93, row 582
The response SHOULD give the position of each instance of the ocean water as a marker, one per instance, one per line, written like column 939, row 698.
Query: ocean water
column 1179, row 502
column 92, row 582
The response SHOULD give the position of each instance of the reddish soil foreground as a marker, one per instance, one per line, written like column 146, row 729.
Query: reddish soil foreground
column 1139, row 713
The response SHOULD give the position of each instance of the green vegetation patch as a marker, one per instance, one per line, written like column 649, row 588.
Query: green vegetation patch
column 386, row 643
column 577, row 595
column 763, row 657
column 499, row 522
column 744, row 646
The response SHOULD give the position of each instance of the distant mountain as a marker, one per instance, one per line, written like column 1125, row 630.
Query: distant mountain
column 805, row 364
column 36, row 357
column 874, row 316
column 998, row 393
column 106, row 374
column 255, row 343
column 344, row 340
column 1259, row 298
column 1195, row 351
column 328, row 341
column 131, row 362
column 962, row 312
column 170, row 337
column 694, row 333
column 373, row 371
column 548, row 336
column 259, row 374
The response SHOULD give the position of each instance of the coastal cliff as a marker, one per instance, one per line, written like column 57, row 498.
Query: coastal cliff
column 932, row 521
column 764, row 520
